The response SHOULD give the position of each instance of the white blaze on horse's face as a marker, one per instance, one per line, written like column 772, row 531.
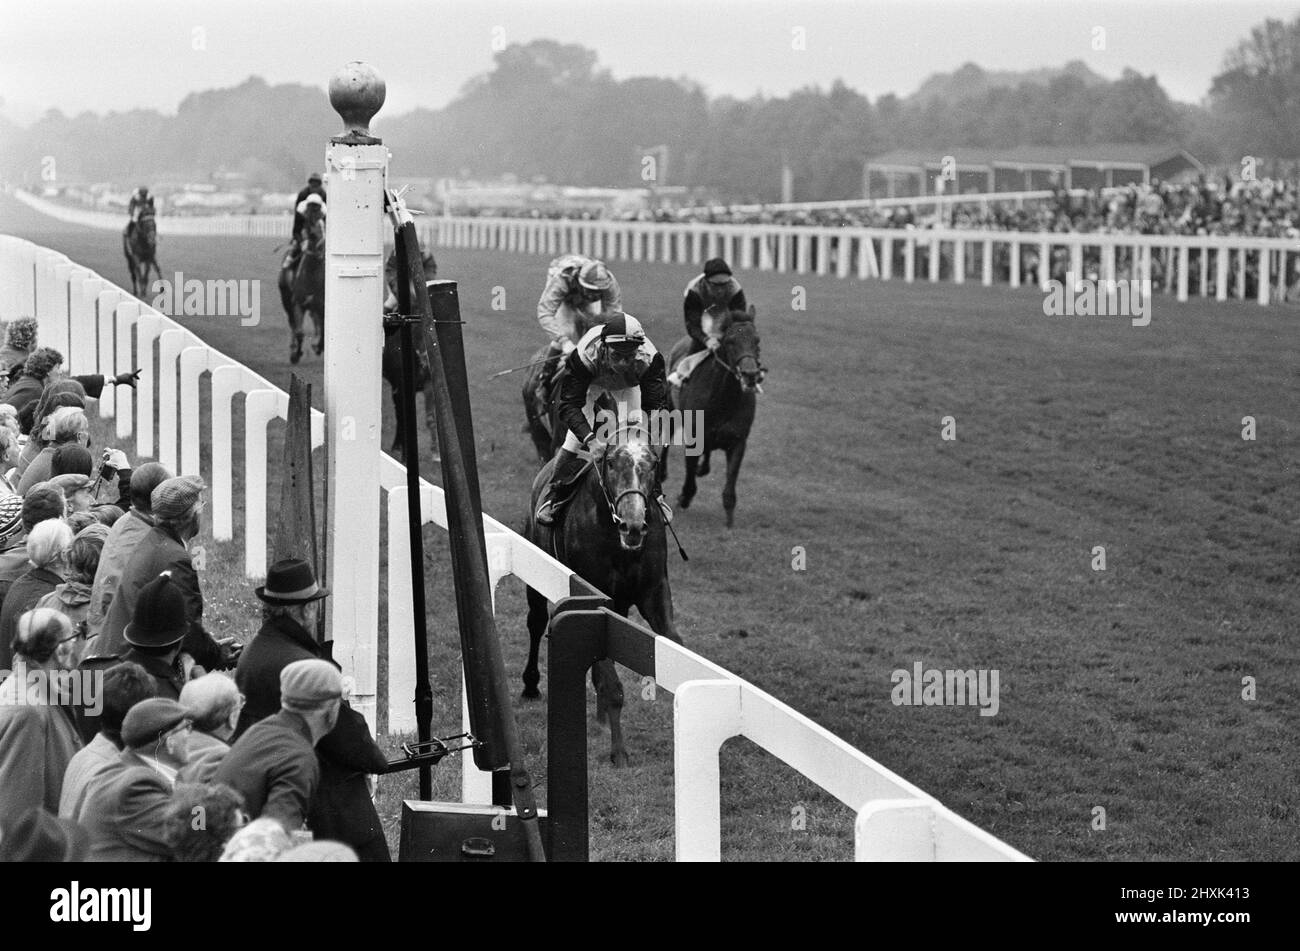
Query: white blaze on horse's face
column 630, row 480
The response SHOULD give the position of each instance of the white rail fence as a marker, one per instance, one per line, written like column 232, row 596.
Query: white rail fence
column 103, row 329
column 1220, row 266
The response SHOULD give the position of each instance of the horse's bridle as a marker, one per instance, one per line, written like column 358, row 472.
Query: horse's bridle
column 760, row 373
column 598, row 468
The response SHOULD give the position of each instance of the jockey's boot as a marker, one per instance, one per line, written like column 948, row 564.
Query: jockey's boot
column 567, row 465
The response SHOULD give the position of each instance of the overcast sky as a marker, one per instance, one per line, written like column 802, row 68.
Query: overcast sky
column 107, row 55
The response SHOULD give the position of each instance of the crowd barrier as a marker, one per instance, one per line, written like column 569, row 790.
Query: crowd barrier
column 103, row 329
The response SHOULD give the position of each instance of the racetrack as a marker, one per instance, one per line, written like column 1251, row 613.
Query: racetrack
column 1120, row 689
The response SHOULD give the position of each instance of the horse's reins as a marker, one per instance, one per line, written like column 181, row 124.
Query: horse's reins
column 736, row 373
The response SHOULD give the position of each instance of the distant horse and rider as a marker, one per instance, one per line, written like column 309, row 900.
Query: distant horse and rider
column 302, row 292
column 140, row 241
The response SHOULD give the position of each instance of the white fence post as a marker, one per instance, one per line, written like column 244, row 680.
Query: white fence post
column 170, row 344
column 357, row 166
column 706, row 713
column 227, row 379
column 260, row 407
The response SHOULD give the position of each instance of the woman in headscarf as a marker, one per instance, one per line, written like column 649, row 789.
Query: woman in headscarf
column 72, row 597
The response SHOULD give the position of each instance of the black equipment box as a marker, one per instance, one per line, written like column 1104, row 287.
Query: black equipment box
column 456, row 832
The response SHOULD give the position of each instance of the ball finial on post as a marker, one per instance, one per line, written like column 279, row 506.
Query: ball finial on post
column 357, row 92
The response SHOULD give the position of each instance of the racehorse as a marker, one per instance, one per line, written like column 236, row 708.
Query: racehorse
column 722, row 387
column 140, row 245
column 302, row 289
column 392, row 365
column 612, row 535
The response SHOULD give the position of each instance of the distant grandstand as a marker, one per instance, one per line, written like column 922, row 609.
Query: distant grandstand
column 904, row 173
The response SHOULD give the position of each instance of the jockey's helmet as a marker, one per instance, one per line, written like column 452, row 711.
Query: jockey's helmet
column 314, row 178
column 622, row 334
column 716, row 271
column 142, row 192
column 594, row 276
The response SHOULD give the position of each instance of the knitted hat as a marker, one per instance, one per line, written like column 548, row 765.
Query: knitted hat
column 11, row 516
column 150, row 719
column 160, row 618
column 173, row 498
column 71, row 458
column 309, row 683
column 42, row 501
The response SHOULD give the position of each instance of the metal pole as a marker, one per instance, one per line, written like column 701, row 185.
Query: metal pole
column 415, row 518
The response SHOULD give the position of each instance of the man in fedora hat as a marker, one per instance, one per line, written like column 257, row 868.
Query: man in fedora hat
column 342, row 808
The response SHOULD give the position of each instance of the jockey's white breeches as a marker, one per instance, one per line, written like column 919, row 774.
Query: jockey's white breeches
column 573, row 321
column 627, row 403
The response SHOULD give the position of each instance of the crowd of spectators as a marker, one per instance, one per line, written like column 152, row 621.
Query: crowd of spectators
column 1209, row 205
column 128, row 730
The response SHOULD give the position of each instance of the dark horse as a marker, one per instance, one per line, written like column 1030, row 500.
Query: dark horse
column 613, row 536
column 722, row 388
column 392, row 363
column 302, row 289
column 140, row 245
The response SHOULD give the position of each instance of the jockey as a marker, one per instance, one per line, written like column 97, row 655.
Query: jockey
column 309, row 210
column 615, row 358
column 707, row 297
column 313, row 187
column 574, row 286
column 140, row 205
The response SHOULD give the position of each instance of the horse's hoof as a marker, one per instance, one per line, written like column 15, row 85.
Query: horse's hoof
column 619, row 759
column 731, row 518
column 295, row 356
column 530, row 693
column 683, row 502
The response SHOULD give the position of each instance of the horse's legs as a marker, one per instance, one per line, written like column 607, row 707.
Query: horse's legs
column 735, row 456
column 318, row 320
column 537, row 620
column 609, row 704
column 703, row 468
column 688, row 482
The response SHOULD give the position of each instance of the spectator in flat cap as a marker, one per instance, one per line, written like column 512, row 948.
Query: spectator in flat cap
column 72, row 596
column 274, row 763
column 177, row 505
column 223, row 814
column 123, row 687
column 47, row 550
column 77, row 491
column 342, row 808
column 214, row 703
column 126, row 534
column 126, row 812
column 66, row 426
column 262, row 840
column 37, row 836
column 37, row 737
